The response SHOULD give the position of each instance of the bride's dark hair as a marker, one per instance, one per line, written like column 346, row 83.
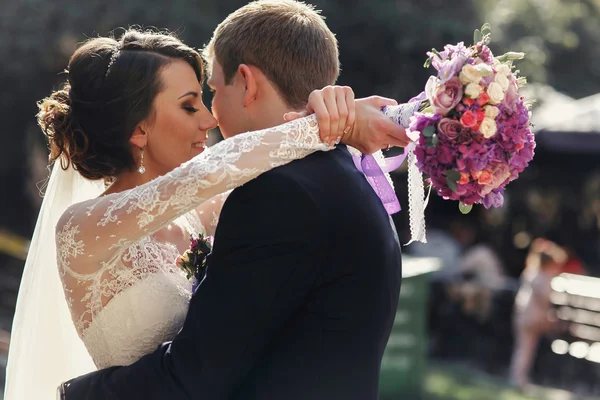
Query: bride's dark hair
column 110, row 89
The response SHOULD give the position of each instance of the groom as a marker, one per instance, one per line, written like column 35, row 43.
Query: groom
column 304, row 277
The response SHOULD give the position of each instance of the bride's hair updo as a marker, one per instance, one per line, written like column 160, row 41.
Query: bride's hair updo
column 110, row 89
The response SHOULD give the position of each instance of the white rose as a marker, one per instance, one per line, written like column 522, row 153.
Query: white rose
column 502, row 80
column 469, row 74
column 488, row 128
column 491, row 111
column 473, row 90
column 484, row 69
column 503, row 69
column 495, row 93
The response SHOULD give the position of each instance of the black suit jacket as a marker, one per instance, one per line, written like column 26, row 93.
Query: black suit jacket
column 298, row 302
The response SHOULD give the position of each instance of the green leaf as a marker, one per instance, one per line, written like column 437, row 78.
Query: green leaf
column 452, row 178
column 514, row 55
column 451, row 184
column 453, row 175
column 486, row 29
column 428, row 62
column 437, row 53
column 465, row 208
column 477, row 36
column 429, row 131
column 435, row 140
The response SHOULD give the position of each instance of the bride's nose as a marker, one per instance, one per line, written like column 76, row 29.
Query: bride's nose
column 207, row 121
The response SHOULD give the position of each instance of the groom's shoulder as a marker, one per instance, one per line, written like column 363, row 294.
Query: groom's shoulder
column 317, row 166
column 314, row 173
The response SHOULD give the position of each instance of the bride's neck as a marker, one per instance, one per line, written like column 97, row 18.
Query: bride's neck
column 128, row 180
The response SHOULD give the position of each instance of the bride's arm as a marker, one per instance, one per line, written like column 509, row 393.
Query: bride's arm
column 102, row 226
column 97, row 230
column 209, row 212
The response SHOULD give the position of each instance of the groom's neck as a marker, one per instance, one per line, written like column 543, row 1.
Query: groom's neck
column 270, row 114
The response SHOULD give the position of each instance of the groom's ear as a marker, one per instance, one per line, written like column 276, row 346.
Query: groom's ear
column 249, row 79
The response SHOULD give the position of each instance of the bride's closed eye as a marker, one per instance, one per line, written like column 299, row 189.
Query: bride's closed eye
column 190, row 109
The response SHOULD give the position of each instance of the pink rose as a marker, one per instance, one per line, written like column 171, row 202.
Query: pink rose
column 485, row 178
column 500, row 174
column 468, row 119
column 483, row 99
column 464, row 178
column 449, row 128
column 447, row 96
column 497, row 177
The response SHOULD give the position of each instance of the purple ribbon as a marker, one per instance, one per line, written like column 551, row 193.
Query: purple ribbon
column 368, row 165
column 375, row 174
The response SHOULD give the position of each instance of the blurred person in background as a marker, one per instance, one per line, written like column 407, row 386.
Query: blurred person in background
column 479, row 273
column 534, row 314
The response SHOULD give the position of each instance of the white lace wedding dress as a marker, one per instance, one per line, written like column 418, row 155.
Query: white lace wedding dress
column 124, row 291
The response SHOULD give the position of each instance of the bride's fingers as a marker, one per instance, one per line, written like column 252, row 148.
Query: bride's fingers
column 318, row 105
column 292, row 115
column 394, row 142
column 349, row 93
column 342, row 106
column 331, row 102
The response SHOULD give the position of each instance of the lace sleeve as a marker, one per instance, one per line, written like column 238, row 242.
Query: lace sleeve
column 102, row 227
column 209, row 212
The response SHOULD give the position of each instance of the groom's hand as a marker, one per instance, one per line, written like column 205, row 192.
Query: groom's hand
column 373, row 130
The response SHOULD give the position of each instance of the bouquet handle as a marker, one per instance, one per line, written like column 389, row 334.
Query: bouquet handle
column 417, row 201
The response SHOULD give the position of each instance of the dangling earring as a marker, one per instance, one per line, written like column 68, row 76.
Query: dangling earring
column 142, row 169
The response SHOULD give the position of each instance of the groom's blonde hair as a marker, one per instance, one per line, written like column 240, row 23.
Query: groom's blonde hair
column 287, row 40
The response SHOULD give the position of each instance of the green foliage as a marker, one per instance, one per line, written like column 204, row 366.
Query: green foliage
column 452, row 178
column 560, row 38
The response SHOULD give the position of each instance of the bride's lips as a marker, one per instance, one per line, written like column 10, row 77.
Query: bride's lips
column 198, row 145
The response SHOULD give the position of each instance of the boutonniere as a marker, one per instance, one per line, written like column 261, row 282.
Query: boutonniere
column 193, row 261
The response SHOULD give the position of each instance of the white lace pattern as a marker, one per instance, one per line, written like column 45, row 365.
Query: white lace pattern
column 116, row 254
column 417, row 202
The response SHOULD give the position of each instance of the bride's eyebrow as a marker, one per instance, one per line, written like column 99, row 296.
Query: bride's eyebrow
column 190, row 93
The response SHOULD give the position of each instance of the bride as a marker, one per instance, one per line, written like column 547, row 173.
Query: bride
column 131, row 181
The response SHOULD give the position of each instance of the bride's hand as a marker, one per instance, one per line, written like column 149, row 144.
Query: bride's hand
column 335, row 110
column 373, row 130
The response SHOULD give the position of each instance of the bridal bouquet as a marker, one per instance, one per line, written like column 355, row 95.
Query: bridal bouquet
column 472, row 132
column 193, row 261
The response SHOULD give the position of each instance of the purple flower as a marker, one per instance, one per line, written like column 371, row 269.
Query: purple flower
column 485, row 53
column 450, row 61
column 494, row 198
